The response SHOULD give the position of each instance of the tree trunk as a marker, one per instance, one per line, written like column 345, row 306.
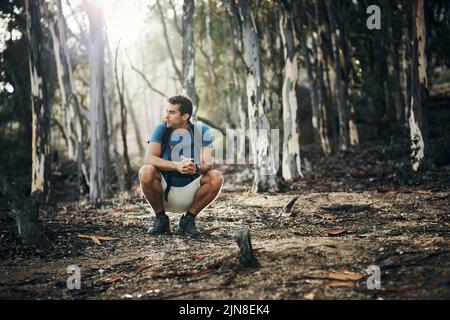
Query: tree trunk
column 262, row 147
column 188, row 56
column 394, row 48
column 73, row 121
column 290, row 167
column 406, row 61
column 340, row 99
column 40, row 171
column 417, row 116
column 330, row 104
column 123, row 123
column 100, row 186
column 348, row 74
column 235, row 54
column 111, row 105
column 319, row 88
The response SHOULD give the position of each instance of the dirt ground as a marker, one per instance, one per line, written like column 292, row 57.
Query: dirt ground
column 342, row 222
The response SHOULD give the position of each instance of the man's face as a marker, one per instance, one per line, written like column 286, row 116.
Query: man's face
column 173, row 117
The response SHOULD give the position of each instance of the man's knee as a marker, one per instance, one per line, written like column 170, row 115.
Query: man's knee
column 148, row 173
column 215, row 178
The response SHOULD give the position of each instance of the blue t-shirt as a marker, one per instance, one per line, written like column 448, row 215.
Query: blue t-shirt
column 180, row 144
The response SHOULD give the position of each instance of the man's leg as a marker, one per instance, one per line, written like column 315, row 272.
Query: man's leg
column 210, row 185
column 151, row 187
column 150, row 180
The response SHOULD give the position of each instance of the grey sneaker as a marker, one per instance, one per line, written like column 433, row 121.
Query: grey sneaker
column 161, row 225
column 187, row 226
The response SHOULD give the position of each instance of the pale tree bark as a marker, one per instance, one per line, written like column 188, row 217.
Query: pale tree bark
column 100, row 186
column 265, row 178
column 290, row 166
column 111, row 103
column 40, row 171
column 417, row 114
column 73, row 121
column 188, row 54
column 344, row 139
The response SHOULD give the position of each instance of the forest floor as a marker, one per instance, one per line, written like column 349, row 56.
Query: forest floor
column 353, row 211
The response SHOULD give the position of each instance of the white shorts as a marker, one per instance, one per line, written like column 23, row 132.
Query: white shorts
column 180, row 198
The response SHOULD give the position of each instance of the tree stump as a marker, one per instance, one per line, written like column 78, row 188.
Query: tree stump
column 25, row 211
column 247, row 258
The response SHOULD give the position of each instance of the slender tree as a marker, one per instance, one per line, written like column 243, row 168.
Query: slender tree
column 417, row 114
column 261, row 144
column 40, row 171
column 100, row 186
column 344, row 139
column 188, row 54
column 120, row 84
column 291, row 167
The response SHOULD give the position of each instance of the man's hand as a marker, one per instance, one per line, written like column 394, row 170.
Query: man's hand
column 186, row 166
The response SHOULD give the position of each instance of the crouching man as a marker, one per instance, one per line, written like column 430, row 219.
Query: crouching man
column 177, row 174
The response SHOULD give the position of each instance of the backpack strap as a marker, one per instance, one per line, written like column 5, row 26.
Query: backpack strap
column 165, row 143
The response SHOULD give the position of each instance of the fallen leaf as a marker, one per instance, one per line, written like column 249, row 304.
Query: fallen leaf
column 95, row 238
column 209, row 231
column 115, row 278
column 92, row 237
column 346, row 276
column 105, row 238
column 333, row 232
column 426, row 192
column 326, row 216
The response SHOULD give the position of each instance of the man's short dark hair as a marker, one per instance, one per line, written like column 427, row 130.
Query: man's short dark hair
column 184, row 103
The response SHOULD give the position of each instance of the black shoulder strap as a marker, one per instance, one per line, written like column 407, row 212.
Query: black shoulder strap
column 165, row 142
column 195, row 145
column 165, row 138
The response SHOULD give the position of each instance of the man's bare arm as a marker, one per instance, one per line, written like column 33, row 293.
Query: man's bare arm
column 153, row 157
column 206, row 160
